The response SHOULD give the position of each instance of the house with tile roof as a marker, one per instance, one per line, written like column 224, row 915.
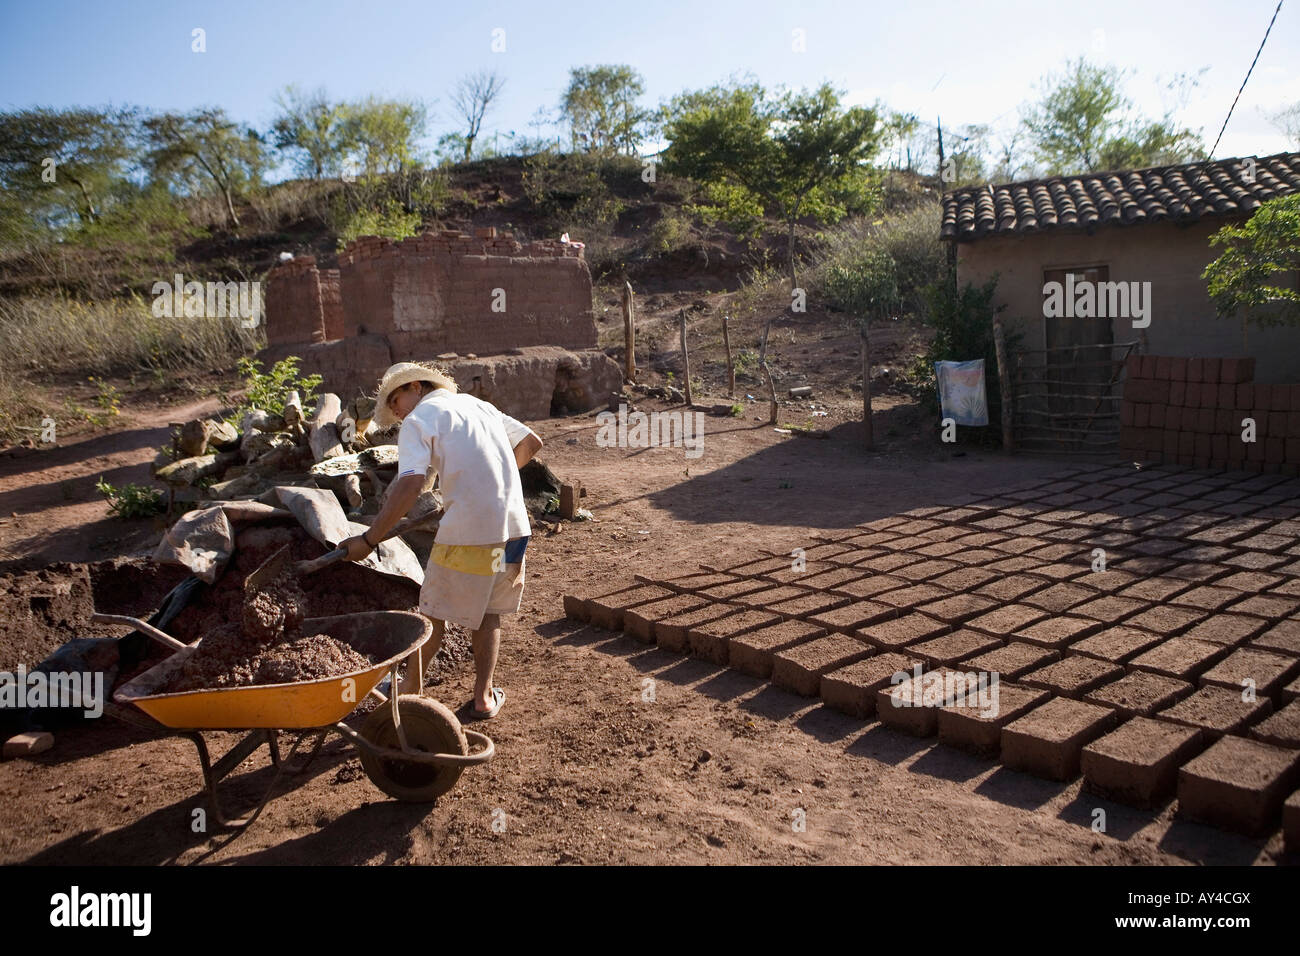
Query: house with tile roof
column 1148, row 229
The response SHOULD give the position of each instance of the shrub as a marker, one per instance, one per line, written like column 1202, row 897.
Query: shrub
column 868, row 287
column 57, row 334
column 569, row 191
column 269, row 390
column 858, row 255
column 669, row 233
column 131, row 501
column 389, row 220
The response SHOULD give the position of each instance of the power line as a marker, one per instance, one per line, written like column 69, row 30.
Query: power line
column 1245, row 81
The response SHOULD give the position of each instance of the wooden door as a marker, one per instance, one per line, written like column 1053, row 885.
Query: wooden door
column 1078, row 370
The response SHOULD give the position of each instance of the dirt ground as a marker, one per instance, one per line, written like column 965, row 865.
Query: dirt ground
column 716, row 768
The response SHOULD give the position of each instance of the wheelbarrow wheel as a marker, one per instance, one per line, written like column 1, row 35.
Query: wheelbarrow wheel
column 429, row 726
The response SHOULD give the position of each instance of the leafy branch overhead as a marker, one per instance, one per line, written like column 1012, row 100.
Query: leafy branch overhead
column 1255, row 275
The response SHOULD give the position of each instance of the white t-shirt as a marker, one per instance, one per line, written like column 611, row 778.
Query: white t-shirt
column 470, row 444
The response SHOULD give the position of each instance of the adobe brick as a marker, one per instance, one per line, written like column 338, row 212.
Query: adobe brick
column 1140, row 693
column 971, row 729
column 1217, row 710
column 800, row 668
column 1048, row 741
column 851, row 689
column 1238, row 784
column 711, row 639
column 752, row 651
column 1138, row 763
column 639, row 621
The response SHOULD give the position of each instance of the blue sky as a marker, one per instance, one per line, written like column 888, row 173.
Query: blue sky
column 972, row 62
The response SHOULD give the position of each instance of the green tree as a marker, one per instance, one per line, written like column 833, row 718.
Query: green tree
column 307, row 128
column 800, row 154
column 601, row 110
column 1085, row 123
column 382, row 135
column 189, row 147
column 1242, row 279
column 60, row 165
column 472, row 98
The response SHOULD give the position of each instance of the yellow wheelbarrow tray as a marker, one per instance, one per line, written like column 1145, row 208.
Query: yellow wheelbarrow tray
column 412, row 747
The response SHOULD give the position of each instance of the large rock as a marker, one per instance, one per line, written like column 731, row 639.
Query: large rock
column 325, row 439
column 189, row 470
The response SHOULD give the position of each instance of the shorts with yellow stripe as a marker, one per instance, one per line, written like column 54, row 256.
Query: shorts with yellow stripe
column 463, row 582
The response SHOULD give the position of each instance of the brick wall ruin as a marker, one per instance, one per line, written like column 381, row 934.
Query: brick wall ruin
column 293, row 296
column 1190, row 411
column 484, row 295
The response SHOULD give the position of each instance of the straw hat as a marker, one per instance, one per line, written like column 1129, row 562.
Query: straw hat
column 403, row 373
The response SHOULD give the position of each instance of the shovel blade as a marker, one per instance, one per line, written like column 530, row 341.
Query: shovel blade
column 267, row 572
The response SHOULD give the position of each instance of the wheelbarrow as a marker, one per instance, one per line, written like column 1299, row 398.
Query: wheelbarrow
column 411, row 747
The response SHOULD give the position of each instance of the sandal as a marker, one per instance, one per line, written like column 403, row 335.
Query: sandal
column 498, row 699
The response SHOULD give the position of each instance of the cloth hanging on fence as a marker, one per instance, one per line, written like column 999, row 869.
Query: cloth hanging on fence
column 961, row 391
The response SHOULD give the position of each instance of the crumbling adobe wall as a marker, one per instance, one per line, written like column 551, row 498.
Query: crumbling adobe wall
column 525, row 308
column 293, row 297
column 528, row 384
column 331, row 302
column 452, row 293
column 539, row 382
column 346, row 366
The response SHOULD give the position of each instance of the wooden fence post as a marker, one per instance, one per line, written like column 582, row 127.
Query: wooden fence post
column 762, row 363
column 686, row 359
column 1004, row 383
column 731, row 369
column 866, row 385
column 629, row 335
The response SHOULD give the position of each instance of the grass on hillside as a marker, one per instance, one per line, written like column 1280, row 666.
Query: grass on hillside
column 54, row 341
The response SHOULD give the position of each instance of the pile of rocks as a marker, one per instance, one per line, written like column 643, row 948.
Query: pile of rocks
column 333, row 447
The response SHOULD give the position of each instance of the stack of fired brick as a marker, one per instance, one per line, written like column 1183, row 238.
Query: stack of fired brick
column 1190, row 411
column 1130, row 675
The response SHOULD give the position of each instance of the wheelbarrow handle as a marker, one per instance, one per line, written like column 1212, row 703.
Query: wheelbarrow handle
column 426, row 522
column 143, row 627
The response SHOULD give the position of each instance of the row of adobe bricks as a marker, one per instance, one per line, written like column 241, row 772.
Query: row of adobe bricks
column 1124, row 752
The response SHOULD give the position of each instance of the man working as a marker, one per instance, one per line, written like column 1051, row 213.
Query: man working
column 476, row 569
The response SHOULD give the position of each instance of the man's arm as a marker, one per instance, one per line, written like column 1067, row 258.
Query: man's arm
column 526, row 449
column 401, row 496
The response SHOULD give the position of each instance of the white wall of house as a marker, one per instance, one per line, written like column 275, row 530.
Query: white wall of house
column 1169, row 256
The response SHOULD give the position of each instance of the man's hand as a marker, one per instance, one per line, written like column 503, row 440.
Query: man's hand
column 356, row 547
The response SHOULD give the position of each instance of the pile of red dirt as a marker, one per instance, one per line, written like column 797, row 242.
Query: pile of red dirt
column 267, row 646
column 40, row 610
column 228, row 657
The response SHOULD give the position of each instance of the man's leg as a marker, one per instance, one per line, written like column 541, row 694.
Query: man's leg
column 413, row 681
column 486, row 642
